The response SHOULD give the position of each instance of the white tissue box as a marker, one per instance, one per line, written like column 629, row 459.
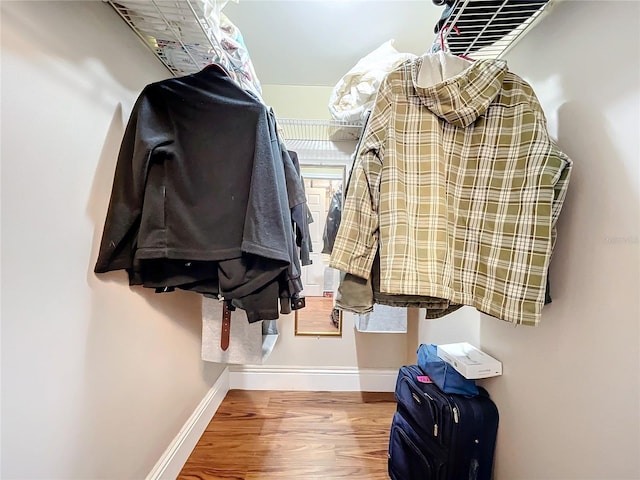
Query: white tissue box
column 469, row 361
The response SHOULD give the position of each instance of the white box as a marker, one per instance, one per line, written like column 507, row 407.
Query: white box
column 469, row 361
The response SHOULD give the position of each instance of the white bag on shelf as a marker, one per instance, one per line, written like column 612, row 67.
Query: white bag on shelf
column 355, row 93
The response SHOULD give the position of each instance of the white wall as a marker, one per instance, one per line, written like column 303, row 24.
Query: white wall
column 463, row 325
column 97, row 377
column 297, row 101
column 353, row 349
column 569, row 398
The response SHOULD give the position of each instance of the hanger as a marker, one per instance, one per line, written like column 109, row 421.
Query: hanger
column 442, row 45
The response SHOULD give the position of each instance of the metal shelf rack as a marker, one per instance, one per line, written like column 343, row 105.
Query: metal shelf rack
column 178, row 32
column 320, row 141
column 485, row 29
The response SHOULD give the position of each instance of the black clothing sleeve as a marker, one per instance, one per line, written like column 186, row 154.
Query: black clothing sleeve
column 143, row 136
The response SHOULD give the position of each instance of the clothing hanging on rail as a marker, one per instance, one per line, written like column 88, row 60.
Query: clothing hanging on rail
column 203, row 197
column 458, row 185
column 359, row 296
column 300, row 212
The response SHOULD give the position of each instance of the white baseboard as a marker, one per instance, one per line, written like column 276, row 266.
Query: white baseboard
column 177, row 453
column 330, row 379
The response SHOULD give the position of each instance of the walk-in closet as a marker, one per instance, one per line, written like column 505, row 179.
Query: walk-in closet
column 267, row 140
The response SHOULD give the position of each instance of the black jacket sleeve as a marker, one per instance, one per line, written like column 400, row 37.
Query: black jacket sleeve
column 146, row 130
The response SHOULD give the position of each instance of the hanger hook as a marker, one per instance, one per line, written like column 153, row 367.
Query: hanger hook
column 442, row 30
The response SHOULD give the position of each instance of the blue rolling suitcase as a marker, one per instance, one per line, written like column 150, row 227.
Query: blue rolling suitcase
column 439, row 436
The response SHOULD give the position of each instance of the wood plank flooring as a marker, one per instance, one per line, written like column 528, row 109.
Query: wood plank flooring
column 268, row 435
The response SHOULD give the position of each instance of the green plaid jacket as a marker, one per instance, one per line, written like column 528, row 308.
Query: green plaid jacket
column 459, row 186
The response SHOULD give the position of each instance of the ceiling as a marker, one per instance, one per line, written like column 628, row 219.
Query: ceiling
column 315, row 42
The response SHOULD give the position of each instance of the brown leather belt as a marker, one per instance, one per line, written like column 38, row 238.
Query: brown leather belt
column 226, row 326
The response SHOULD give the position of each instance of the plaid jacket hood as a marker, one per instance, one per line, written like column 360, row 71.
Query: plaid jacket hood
column 465, row 97
column 459, row 187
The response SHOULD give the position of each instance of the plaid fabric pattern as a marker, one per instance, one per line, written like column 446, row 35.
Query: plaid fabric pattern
column 459, row 186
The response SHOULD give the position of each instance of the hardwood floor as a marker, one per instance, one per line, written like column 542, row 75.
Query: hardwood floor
column 268, row 435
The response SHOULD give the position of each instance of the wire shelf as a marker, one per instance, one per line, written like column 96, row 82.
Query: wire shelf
column 183, row 37
column 320, row 141
column 487, row 29
column 176, row 31
column 323, row 130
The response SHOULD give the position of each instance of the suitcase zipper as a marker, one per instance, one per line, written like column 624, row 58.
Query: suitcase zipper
column 435, row 423
column 413, row 387
column 455, row 413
